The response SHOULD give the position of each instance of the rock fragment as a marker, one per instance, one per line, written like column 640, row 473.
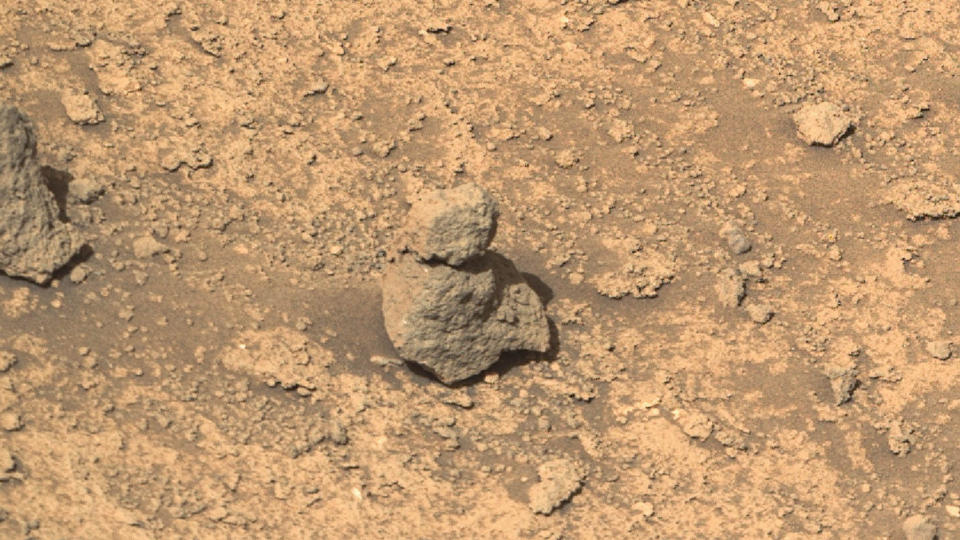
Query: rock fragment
column 737, row 241
column 147, row 246
column 451, row 225
column 760, row 312
column 730, row 287
column 918, row 528
column 85, row 190
column 939, row 349
column 10, row 421
column 81, row 108
column 456, row 319
column 33, row 242
column 560, row 479
column 7, row 361
column 822, row 124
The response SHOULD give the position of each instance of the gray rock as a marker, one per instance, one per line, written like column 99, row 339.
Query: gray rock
column 822, row 124
column 33, row 242
column 451, row 225
column 730, row 287
column 918, row 528
column 455, row 321
column 737, row 241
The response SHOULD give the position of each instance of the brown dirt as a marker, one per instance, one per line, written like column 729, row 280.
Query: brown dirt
column 215, row 364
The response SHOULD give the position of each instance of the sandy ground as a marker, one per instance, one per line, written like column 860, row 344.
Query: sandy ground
column 214, row 365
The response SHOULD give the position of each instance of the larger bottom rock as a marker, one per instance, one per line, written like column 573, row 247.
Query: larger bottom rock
column 33, row 242
column 456, row 321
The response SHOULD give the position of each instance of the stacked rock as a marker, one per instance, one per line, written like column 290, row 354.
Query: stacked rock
column 33, row 242
column 448, row 303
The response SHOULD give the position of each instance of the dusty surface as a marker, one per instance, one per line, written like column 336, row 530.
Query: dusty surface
column 216, row 367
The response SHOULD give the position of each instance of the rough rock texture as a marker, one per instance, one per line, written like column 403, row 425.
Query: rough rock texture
column 457, row 321
column 33, row 242
column 822, row 124
column 449, row 305
column 641, row 276
column 560, row 479
column 737, row 241
column 81, row 108
column 451, row 225
column 918, row 528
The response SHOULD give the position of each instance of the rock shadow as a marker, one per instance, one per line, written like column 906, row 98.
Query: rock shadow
column 58, row 182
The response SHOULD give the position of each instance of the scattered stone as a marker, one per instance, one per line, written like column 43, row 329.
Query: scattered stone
column 695, row 425
column 900, row 438
column 146, row 247
column 384, row 361
column 918, row 528
column 281, row 356
column 737, row 241
column 7, row 461
column 79, row 273
column 456, row 320
column 10, row 421
column 85, row 190
column 560, row 479
column 451, row 225
column 920, row 199
column 760, row 312
column 730, row 287
column 7, row 361
column 34, row 243
column 822, row 124
column 81, row 108
column 8, row 466
column 843, row 381
column 939, row 349
column 641, row 276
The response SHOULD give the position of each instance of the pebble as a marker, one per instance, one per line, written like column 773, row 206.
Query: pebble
column 939, row 349
column 822, row 124
column 81, row 108
column 760, row 312
column 146, row 247
column 7, row 360
column 918, row 528
column 10, row 421
column 737, row 241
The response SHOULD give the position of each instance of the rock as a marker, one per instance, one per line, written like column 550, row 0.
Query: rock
column 560, row 479
column 8, row 466
column 10, row 421
column 759, row 312
column 85, row 190
column 79, row 273
column 843, row 381
column 280, row 357
column 918, row 528
column 822, row 124
column 695, row 425
column 641, row 276
column 730, row 287
column 147, row 246
column 939, row 349
column 7, row 361
column 33, row 242
column 448, row 304
column 737, row 241
column 451, row 225
column 456, row 321
column 81, row 108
